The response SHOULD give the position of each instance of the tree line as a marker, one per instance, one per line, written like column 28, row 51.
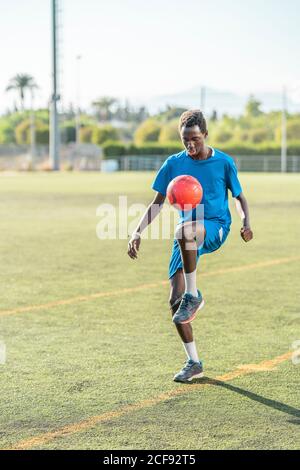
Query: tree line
column 117, row 126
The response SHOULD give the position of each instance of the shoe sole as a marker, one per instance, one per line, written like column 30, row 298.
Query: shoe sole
column 194, row 314
column 198, row 376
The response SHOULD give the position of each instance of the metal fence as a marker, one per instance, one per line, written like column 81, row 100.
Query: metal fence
column 89, row 157
column 72, row 156
column 264, row 163
column 141, row 163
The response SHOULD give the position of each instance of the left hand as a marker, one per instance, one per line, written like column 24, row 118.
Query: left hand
column 246, row 234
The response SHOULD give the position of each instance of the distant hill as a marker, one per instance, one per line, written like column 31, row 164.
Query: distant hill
column 220, row 100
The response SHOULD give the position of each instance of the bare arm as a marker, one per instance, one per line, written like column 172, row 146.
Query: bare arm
column 152, row 211
column 243, row 211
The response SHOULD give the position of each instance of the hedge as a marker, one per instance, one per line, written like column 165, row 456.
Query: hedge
column 119, row 149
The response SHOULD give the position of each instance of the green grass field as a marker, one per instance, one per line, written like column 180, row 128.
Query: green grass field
column 96, row 372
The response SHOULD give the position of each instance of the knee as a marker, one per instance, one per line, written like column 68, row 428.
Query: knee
column 190, row 231
column 185, row 232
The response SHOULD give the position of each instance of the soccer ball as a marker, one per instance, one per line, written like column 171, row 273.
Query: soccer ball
column 184, row 192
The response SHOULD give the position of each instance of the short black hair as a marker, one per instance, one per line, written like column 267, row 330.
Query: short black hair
column 191, row 118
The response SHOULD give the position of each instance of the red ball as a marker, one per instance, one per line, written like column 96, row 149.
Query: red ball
column 184, row 192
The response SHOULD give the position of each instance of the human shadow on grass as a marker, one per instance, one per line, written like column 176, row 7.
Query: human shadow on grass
column 277, row 405
column 294, row 421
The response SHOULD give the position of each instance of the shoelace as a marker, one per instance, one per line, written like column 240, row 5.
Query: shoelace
column 185, row 301
column 188, row 365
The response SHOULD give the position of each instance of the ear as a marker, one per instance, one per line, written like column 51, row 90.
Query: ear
column 206, row 135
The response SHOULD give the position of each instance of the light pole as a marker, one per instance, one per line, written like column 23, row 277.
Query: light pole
column 203, row 98
column 32, row 129
column 54, row 125
column 78, row 58
column 283, row 132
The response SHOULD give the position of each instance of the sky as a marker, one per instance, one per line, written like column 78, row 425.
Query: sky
column 135, row 49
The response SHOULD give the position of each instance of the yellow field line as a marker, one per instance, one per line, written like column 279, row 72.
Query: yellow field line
column 74, row 300
column 94, row 420
column 129, row 290
column 262, row 264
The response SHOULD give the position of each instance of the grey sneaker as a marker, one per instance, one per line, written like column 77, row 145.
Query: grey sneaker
column 191, row 370
column 188, row 308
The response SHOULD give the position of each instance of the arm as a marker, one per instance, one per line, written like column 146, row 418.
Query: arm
column 243, row 211
column 152, row 211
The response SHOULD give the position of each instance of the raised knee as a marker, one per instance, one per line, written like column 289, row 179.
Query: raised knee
column 185, row 231
column 190, row 231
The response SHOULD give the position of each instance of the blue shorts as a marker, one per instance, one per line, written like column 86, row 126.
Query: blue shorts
column 216, row 234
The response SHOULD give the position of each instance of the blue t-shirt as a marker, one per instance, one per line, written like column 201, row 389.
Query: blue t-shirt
column 216, row 174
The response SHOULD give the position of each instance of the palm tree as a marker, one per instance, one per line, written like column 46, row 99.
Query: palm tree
column 21, row 83
column 103, row 107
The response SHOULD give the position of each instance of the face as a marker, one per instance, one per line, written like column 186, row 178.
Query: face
column 193, row 140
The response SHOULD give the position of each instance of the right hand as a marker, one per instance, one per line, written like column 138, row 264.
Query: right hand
column 134, row 245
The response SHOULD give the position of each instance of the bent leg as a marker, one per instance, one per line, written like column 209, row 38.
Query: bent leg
column 177, row 289
column 190, row 236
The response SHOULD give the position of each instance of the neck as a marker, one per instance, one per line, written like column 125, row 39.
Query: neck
column 203, row 155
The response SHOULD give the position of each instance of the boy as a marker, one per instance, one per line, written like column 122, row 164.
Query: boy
column 217, row 173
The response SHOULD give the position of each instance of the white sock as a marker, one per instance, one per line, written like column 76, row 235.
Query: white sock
column 191, row 283
column 191, row 351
